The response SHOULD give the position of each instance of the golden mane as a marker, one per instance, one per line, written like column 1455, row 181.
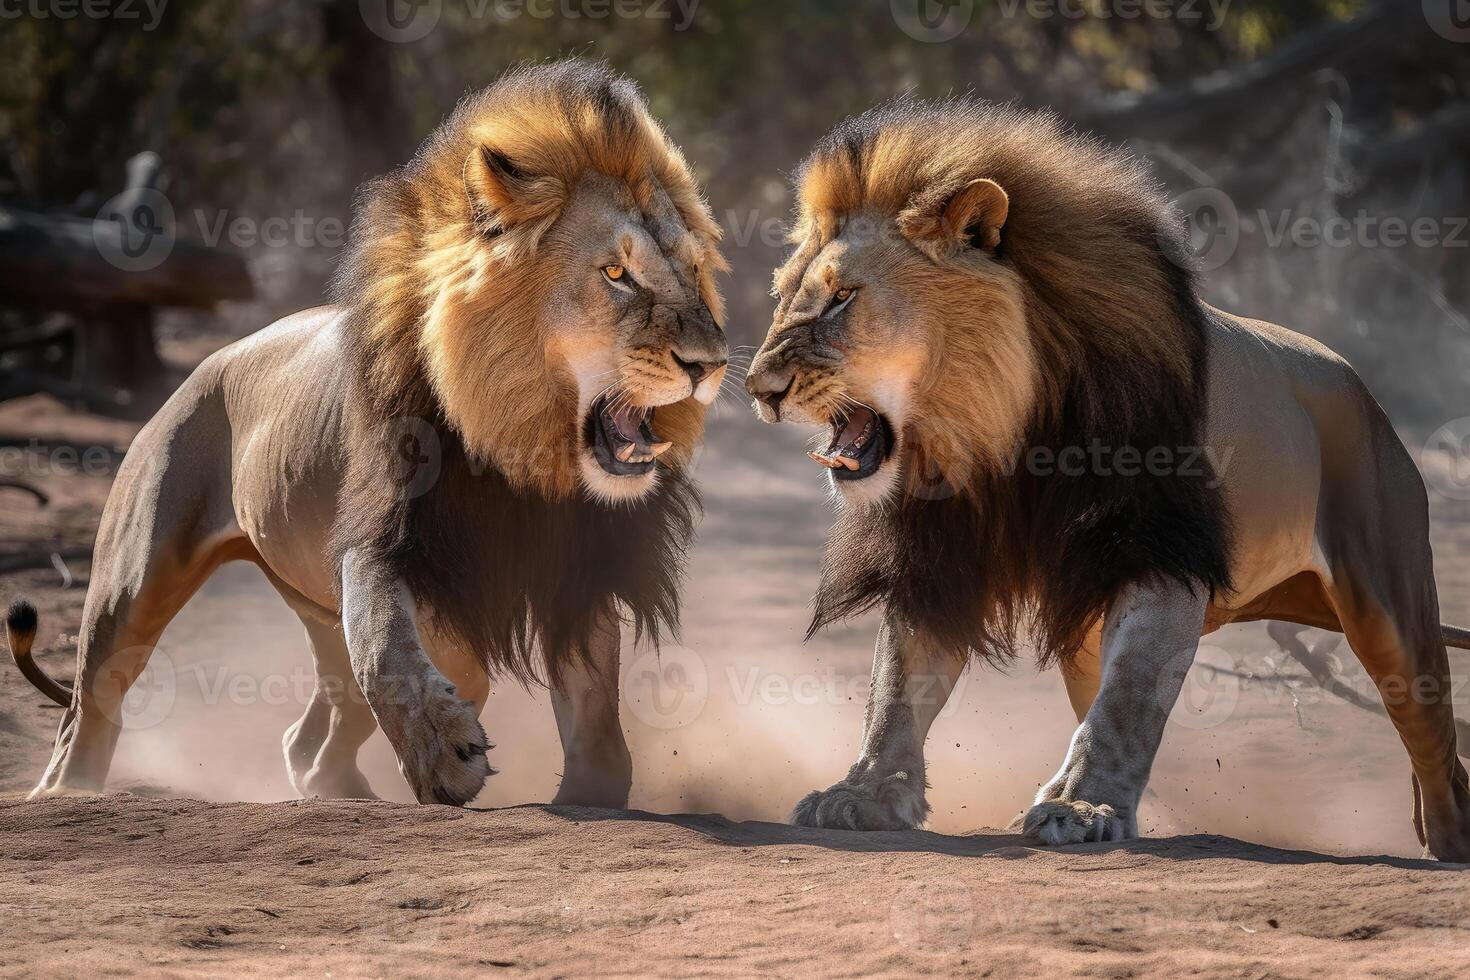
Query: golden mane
column 444, row 289
column 1121, row 356
column 1085, row 233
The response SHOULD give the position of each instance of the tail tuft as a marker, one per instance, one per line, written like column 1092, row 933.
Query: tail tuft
column 20, row 632
column 21, row 618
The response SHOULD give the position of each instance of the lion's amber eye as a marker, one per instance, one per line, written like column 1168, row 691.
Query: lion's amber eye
column 613, row 272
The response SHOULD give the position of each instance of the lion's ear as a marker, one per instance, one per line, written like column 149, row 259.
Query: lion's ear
column 972, row 218
column 494, row 185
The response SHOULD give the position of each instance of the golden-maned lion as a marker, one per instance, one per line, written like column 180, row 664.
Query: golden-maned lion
column 1037, row 427
column 477, row 457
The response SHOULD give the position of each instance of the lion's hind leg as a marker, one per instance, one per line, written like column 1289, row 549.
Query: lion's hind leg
column 168, row 524
column 1400, row 646
column 1376, row 540
column 321, row 747
column 124, row 617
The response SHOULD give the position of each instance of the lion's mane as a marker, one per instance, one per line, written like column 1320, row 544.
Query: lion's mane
column 462, row 474
column 1121, row 344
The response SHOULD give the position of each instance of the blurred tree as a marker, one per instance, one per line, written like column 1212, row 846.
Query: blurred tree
column 265, row 108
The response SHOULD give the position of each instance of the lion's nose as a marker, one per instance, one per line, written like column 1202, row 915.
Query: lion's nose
column 770, row 387
column 698, row 370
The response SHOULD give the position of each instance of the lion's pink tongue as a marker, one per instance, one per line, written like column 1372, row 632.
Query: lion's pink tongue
column 629, row 428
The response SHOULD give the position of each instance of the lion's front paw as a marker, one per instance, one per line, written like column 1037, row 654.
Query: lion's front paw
column 444, row 755
column 890, row 803
column 1058, row 822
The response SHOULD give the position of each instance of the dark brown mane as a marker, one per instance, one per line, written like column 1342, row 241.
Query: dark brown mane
column 1121, row 341
column 515, row 577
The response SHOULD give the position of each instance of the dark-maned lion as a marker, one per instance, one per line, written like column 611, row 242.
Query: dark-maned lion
column 477, row 457
column 1037, row 427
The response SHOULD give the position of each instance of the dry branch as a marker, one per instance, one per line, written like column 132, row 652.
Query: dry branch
column 1166, row 113
column 1288, row 637
column 41, row 559
column 41, row 498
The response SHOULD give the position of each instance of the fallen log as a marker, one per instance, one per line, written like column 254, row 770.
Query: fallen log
column 60, row 262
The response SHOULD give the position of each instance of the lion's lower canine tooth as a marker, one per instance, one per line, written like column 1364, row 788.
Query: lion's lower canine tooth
column 849, row 462
column 659, row 448
column 626, row 453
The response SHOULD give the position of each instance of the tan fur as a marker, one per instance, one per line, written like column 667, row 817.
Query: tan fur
column 475, row 318
column 1310, row 510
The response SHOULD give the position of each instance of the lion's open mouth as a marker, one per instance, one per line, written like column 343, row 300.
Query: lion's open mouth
column 861, row 439
column 622, row 439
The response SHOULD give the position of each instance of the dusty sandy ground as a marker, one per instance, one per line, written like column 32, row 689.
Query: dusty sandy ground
column 739, row 719
column 373, row 889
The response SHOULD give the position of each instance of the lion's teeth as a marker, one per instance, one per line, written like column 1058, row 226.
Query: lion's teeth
column 849, row 462
column 659, row 448
column 826, row 461
column 626, row 453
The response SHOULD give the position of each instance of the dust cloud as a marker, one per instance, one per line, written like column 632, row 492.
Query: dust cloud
column 740, row 718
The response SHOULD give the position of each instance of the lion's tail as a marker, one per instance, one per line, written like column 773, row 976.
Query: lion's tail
column 1456, row 638
column 20, row 633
